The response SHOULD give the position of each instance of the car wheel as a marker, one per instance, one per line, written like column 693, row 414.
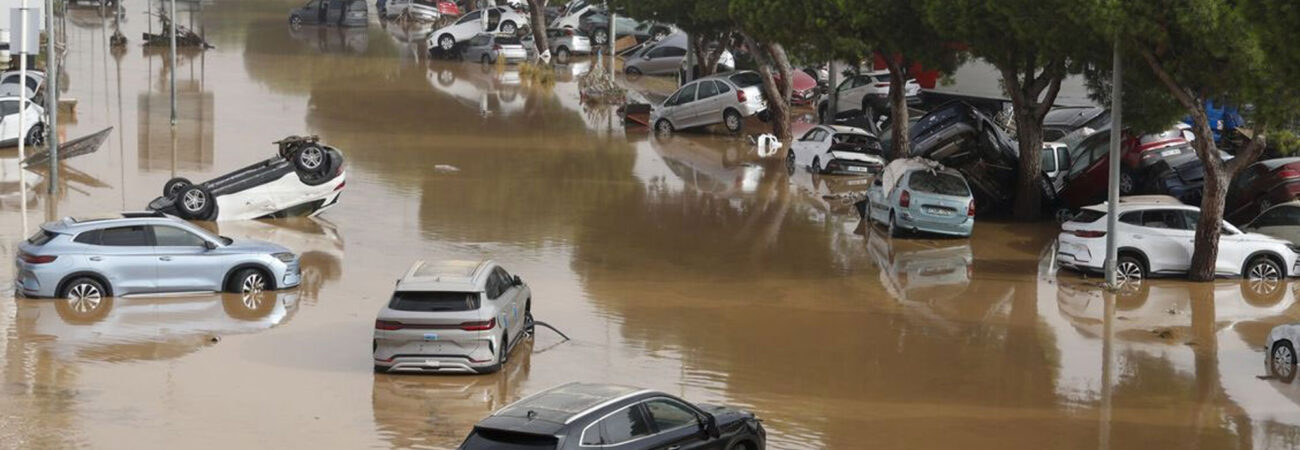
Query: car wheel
column 816, row 166
column 485, row 60
column 84, row 300
column 732, row 120
column 789, row 162
column 562, row 55
column 1129, row 270
column 295, row 21
column 660, row 34
column 196, row 203
column 632, row 72
column 310, row 160
column 36, row 135
column 175, row 185
column 503, row 356
column 1263, row 268
column 1126, row 183
column 528, row 317
column 894, row 229
column 600, row 36
column 380, row 369
column 446, row 42
column 664, row 127
column 508, row 27
column 247, row 282
column 1282, row 361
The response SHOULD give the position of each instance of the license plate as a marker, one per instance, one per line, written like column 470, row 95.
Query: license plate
column 1170, row 152
column 859, row 169
column 937, row 211
column 433, row 363
column 430, row 336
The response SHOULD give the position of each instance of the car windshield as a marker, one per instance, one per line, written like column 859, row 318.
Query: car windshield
column 507, row 40
column 746, row 79
column 857, row 143
column 432, row 301
column 938, row 183
column 484, row 439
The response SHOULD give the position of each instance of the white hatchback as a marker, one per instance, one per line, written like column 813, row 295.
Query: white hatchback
column 1157, row 238
column 836, row 149
column 499, row 20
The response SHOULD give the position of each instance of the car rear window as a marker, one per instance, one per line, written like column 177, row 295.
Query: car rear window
column 855, row 143
column 41, row 237
column 746, row 79
column 1087, row 216
column 507, row 40
column 485, row 439
column 427, row 301
column 938, row 183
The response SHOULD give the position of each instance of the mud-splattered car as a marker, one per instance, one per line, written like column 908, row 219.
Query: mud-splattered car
column 303, row 179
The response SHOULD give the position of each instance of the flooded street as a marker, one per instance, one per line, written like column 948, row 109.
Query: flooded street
column 678, row 264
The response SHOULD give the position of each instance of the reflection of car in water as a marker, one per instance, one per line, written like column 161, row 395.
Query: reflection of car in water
column 120, row 329
column 924, row 271
column 434, row 411
column 333, row 40
column 718, row 171
column 486, row 89
column 11, row 189
column 1279, row 351
column 315, row 240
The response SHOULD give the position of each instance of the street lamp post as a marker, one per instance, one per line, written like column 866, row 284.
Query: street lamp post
column 1112, row 188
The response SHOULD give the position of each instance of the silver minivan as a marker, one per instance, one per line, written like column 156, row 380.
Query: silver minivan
column 452, row 317
column 725, row 98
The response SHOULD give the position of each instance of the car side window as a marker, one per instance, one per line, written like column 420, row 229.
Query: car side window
column 1086, row 149
column 1191, row 218
column 493, row 287
column 810, row 135
column 708, row 89
column 657, row 52
column 469, row 17
column 623, row 425
column 1131, row 218
column 8, row 108
column 503, row 278
column 723, row 88
column 1172, row 220
column 175, row 237
column 672, row 52
column 88, row 237
column 669, row 414
column 686, row 95
column 132, row 236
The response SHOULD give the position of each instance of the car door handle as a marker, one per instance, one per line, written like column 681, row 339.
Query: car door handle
column 1137, row 236
column 164, row 258
column 96, row 258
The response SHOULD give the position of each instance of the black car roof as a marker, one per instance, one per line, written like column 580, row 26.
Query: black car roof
column 1072, row 117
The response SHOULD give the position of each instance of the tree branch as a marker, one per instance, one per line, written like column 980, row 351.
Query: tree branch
column 1185, row 98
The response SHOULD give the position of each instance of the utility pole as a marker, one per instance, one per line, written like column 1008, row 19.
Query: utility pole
column 612, row 38
column 1112, row 184
column 22, row 109
column 173, row 71
column 52, row 97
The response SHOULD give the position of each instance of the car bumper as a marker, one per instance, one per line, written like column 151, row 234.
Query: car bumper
column 923, row 224
column 435, row 364
column 846, row 167
column 37, row 281
column 404, row 350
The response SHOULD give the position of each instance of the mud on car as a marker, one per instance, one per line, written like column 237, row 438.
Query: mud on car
column 303, row 179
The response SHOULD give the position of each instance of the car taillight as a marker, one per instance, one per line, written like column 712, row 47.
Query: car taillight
column 496, row 47
column 387, row 325
column 1288, row 174
column 905, row 200
column 36, row 259
column 740, row 95
column 970, row 209
column 1088, row 234
column 568, row 32
column 340, row 186
column 882, row 85
column 479, row 326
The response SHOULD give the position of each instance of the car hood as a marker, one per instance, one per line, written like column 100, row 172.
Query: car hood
column 255, row 246
column 1264, row 239
column 726, row 414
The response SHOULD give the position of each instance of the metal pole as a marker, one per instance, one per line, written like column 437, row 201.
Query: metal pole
column 1112, row 188
column 22, row 104
column 52, row 97
column 173, row 71
column 612, row 38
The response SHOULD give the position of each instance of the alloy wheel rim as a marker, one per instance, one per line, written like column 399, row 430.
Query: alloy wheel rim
column 195, row 200
column 1129, row 271
column 732, row 122
column 254, row 284
column 1263, row 272
column 84, row 297
column 445, row 43
column 665, row 127
column 312, row 157
column 1283, row 361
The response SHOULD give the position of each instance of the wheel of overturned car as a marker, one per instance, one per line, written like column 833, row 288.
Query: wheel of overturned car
column 562, row 55
column 36, row 135
column 174, row 185
column 732, row 120
column 664, row 127
column 1126, row 183
column 1282, row 361
column 311, row 160
column 659, row 34
column 446, row 42
column 195, row 203
column 508, row 27
column 600, row 36
column 1263, row 268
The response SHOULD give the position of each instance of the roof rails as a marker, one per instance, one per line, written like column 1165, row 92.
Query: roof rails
column 142, row 214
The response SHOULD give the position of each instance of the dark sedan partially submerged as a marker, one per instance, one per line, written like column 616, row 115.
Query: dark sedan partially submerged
column 580, row 415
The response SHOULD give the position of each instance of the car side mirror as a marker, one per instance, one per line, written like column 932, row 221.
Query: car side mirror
column 517, row 281
column 209, row 245
column 709, row 425
column 646, row 56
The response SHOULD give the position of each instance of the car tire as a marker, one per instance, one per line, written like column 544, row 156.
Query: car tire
column 247, row 282
column 664, row 127
column 380, row 369
column 196, row 203
column 789, row 162
column 816, row 166
column 894, row 230
column 295, row 21
column 446, row 42
column 485, row 60
column 600, row 36
column 1129, row 269
column 174, row 186
column 36, row 135
column 503, row 356
column 1126, row 183
column 83, row 300
column 733, row 121
column 562, row 55
column 1282, row 361
column 1262, row 268
column 632, row 72
column 311, row 160
column 508, row 27
column 529, row 322
column 659, row 34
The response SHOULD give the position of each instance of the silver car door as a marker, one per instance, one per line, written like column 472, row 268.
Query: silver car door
column 707, row 110
column 184, row 263
column 127, row 258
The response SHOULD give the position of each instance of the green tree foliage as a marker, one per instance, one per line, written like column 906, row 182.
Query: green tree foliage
column 1034, row 44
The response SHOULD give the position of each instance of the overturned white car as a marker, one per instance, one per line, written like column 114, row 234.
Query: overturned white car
column 304, row 179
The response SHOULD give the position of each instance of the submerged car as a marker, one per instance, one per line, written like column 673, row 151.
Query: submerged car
column 1280, row 221
column 344, row 13
column 1279, row 351
column 88, row 259
column 582, row 415
column 836, row 149
column 1260, row 186
column 565, row 43
column 723, row 98
column 304, row 179
column 913, row 195
column 452, row 317
column 1158, row 237
column 499, row 20
column 33, row 127
column 489, row 48
column 960, row 136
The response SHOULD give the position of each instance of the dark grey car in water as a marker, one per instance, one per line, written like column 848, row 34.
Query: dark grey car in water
column 343, row 13
column 581, row 415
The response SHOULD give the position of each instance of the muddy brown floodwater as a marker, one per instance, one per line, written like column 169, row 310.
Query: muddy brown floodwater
column 676, row 264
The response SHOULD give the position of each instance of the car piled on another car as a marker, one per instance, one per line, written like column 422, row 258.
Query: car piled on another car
column 499, row 20
column 960, row 136
column 1260, row 186
column 303, row 179
column 826, row 149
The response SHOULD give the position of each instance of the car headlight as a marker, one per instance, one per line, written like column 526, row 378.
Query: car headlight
column 284, row 256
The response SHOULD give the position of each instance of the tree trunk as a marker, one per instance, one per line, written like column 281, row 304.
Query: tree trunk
column 1029, row 135
column 898, row 112
column 771, row 56
column 706, row 59
column 1205, row 254
column 537, row 14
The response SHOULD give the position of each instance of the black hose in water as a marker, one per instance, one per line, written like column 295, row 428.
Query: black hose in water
column 547, row 325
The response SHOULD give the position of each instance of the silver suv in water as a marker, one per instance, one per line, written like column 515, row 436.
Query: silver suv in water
column 452, row 317
column 88, row 259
